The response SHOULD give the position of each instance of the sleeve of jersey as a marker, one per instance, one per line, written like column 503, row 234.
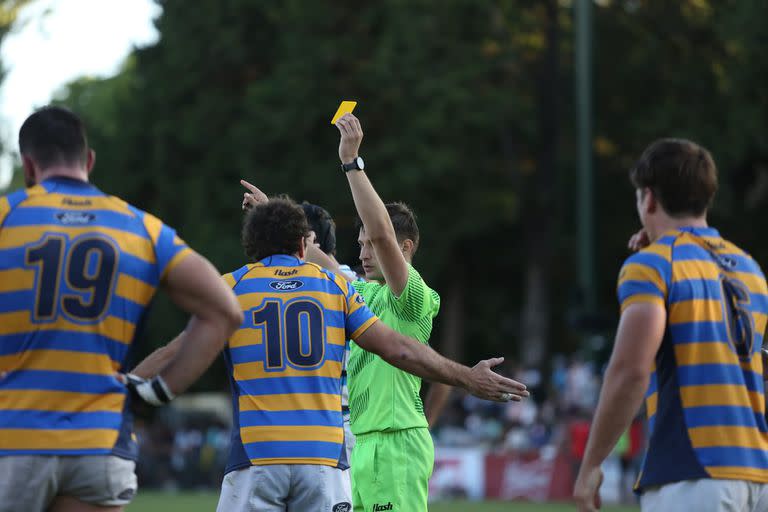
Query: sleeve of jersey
column 415, row 301
column 5, row 207
column 358, row 317
column 169, row 248
column 229, row 279
column 641, row 281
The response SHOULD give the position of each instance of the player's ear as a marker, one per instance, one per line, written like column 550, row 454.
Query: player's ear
column 303, row 248
column 407, row 247
column 90, row 160
column 28, row 166
column 650, row 200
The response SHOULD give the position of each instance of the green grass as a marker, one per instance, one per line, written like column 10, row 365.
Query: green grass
column 206, row 502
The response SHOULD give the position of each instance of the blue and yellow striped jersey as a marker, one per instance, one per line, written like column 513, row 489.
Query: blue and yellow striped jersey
column 78, row 269
column 705, row 404
column 285, row 362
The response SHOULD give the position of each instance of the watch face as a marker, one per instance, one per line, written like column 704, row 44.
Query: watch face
column 360, row 163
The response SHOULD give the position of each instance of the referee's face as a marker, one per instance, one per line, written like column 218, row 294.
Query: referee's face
column 368, row 258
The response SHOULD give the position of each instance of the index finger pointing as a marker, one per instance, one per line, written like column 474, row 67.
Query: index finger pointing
column 249, row 186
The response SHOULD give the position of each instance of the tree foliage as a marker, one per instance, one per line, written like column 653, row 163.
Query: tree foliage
column 468, row 113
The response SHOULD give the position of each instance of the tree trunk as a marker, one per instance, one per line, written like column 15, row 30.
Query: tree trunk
column 452, row 319
column 538, row 220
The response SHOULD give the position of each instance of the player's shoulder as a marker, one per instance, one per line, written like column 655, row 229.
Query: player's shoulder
column 415, row 280
column 746, row 262
column 656, row 255
column 9, row 202
column 150, row 222
column 234, row 277
column 16, row 198
column 336, row 282
column 312, row 270
column 650, row 264
column 19, row 198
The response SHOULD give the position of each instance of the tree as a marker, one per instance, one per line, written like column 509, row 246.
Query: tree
column 9, row 13
column 467, row 108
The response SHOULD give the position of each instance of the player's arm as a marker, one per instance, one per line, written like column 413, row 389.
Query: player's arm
column 318, row 257
column 640, row 333
column 196, row 287
column 371, row 209
column 159, row 359
column 420, row 360
column 435, row 401
column 642, row 291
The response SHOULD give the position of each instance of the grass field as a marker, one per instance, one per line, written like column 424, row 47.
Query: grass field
column 206, row 502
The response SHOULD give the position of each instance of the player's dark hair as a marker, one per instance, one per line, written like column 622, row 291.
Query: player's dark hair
column 404, row 222
column 681, row 174
column 54, row 136
column 272, row 228
column 321, row 222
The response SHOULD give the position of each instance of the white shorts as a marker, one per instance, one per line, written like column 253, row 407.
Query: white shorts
column 281, row 487
column 349, row 439
column 706, row 495
column 31, row 482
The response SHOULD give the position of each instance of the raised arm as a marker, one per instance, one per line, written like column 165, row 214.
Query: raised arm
column 371, row 209
column 420, row 360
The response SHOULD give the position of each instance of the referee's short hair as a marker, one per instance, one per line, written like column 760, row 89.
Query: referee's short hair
column 403, row 220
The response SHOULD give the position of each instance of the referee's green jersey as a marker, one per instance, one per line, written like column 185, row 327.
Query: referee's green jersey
column 381, row 397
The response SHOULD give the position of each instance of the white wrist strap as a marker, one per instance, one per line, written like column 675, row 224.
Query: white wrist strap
column 154, row 391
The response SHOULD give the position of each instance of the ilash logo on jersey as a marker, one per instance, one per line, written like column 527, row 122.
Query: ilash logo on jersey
column 75, row 218
column 286, row 273
column 285, row 286
column 76, row 202
column 380, row 508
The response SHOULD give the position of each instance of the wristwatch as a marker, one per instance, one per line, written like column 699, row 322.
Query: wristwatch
column 355, row 165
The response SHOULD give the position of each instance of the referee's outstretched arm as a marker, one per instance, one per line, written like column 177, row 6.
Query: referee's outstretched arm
column 421, row 360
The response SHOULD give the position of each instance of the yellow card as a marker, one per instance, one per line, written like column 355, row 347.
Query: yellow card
column 346, row 107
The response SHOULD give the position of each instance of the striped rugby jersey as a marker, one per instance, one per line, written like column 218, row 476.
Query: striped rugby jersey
column 78, row 269
column 705, row 403
column 346, row 270
column 285, row 362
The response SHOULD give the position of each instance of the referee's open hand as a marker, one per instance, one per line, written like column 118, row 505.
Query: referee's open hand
column 489, row 385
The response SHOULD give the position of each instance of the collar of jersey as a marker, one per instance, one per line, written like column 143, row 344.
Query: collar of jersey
column 699, row 231
column 67, row 180
column 281, row 260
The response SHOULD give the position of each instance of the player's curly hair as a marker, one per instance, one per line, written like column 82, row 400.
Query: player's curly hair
column 272, row 228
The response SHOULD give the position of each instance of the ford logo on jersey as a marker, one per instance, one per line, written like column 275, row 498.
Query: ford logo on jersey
column 286, row 286
column 76, row 218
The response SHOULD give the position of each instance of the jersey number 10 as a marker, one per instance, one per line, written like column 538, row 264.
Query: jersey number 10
column 294, row 331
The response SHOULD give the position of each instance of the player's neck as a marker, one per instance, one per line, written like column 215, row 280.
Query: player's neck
column 75, row 173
